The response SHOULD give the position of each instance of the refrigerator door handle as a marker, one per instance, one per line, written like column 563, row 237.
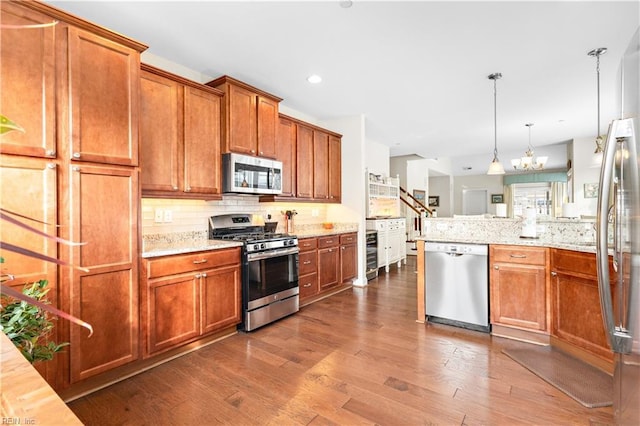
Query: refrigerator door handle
column 619, row 339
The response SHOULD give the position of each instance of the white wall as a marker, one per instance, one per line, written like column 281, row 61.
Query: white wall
column 583, row 172
column 376, row 158
column 442, row 186
column 493, row 185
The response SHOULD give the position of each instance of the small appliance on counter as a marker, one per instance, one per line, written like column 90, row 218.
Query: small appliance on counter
column 529, row 223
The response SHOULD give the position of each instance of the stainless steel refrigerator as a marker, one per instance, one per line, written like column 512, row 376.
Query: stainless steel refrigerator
column 618, row 232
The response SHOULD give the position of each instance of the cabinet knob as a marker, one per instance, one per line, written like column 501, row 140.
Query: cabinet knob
column 554, row 274
column 75, row 169
column 198, row 276
column 51, row 153
column 51, row 165
column 204, row 275
column 261, row 153
column 187, row 189
column 253, row 151
column 76, row 155
column 496, row 267
column 175, row 188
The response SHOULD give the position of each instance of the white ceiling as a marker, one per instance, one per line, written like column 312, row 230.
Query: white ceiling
column 416, row 70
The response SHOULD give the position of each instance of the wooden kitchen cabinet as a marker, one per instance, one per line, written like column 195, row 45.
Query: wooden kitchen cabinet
column 348, row 257
column 519, row 287
column 188, row 296
column 335, row 169
column 103, row 94
column 304, row 161
column 328, row 261
column 28, row 70
column 577, row 315
column 38, row 202
column 249, row 117
column 179, row 137
column 308, row 268
column 103, row 207
column 320, row 165
column 286, row 153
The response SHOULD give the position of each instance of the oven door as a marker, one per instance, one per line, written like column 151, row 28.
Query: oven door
column 272, row 276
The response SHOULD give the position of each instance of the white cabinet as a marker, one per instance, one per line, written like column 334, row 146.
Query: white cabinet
column 391, row 240
column 383, row 195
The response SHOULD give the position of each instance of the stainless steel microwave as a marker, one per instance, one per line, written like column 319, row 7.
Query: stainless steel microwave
column 244, row 174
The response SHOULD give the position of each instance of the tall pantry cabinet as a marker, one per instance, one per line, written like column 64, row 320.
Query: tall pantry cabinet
column 74, row 88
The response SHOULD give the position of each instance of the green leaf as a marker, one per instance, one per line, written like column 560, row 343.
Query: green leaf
column 7, row 125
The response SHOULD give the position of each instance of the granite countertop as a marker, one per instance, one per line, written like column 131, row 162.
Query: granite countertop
column 322, row 232
column 586, row 247
column 163, row 248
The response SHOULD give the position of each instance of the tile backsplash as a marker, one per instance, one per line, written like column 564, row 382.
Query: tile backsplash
column 178, row 216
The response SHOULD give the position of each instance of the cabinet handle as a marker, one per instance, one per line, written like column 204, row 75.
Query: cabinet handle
column 76, row 155
column 204, row 275
column 197, row 262
column 306, row 262
column 198, row 276
column 51, row 153
column 496, row 267
column 518, row 256
column 253, row 151
column 342, row 247
column 307, row 285
column 51, row 165
column 75, row 169
column 554, row 274
column 261, row 153
column 175, row 188
column 187, row 189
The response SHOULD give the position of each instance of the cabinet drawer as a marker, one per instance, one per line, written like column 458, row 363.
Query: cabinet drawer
column 331, row 241
column 307, row 244
column 307, row 263
column 178, row 264
column 519, row 254
column 348, row 238
column 308, row 285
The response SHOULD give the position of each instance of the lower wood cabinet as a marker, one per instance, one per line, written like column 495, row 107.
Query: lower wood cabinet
column 519, row 287
column 328, row 261
column 576, row 301
column 187, row 296
column 348, row 257
column 308, row 268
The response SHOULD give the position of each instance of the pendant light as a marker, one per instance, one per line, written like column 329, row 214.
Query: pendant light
column 597, row 154
column 495, row 168
column 529, row 162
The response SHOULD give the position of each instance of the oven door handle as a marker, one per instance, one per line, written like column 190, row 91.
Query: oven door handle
column 272, row 253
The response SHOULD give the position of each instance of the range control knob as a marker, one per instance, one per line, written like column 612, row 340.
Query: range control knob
column 263, row 246
column 256, row 246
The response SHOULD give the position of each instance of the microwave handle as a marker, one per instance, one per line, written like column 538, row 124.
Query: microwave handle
column 270, row 177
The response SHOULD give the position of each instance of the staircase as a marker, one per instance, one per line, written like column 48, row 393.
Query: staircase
column 414, row 212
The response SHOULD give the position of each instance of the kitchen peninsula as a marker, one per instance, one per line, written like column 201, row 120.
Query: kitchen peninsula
column 542, row 290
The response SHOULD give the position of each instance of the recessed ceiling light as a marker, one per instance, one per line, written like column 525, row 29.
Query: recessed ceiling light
column 466, row 168
column 346, row 4
column 314, row 78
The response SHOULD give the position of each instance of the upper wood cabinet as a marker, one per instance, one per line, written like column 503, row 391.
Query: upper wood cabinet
column 179, row 136
column 249, row 117
column 335, row 169
column 320, row 165
column 103, row 91
column 27, row 86
column 286, row 152
column 304, row 161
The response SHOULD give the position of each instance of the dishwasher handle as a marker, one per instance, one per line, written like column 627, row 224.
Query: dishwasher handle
column 455, row 254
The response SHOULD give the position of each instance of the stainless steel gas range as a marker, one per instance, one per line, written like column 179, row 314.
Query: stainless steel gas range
column 269, row 268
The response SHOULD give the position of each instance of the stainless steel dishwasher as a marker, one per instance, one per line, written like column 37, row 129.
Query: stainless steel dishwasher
column 457, row 284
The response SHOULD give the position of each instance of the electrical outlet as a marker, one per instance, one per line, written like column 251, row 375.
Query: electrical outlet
column 159, row 216
column 168, row 216
column 315, row 213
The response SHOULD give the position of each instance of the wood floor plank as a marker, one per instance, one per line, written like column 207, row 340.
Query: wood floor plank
column 355, row 358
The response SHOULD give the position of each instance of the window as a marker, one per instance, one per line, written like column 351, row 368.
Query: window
column 537, row 195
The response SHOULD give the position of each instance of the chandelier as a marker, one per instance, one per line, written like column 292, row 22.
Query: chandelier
column 529, row 162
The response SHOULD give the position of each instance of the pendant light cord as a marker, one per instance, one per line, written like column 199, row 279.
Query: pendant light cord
column 495, row 120
column 598, row 87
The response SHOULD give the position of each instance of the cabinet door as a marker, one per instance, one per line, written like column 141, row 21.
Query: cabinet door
column 160, row 132
column 335, row 169
column 173, row 311
column 29, row 188
column 38, row 202
column 320, row 165
column 202, row 161
column 286, row 152
column 518, row 296
column 103, row 212
column 27, row 86
column 267, row 124
column 220, row 298
column 328, row 267
column 103, row 87
column 394, row 243
column 304, row 154
column 348, row 262
column 242, row 134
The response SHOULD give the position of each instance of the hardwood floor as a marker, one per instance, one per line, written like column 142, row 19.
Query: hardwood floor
column 357, row 357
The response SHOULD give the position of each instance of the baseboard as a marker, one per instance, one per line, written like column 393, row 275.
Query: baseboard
column 536, row 338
